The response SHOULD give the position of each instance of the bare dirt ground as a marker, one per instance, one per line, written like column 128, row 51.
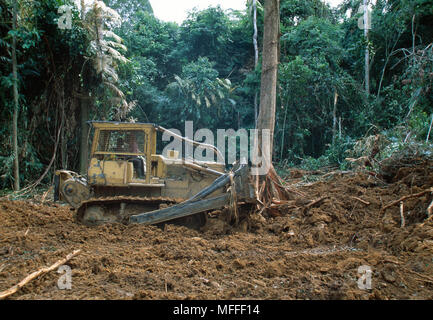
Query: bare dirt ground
column 300, row 250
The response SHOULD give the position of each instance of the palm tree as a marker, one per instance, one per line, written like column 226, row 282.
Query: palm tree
column 105, row 47
column 199, row 93
column 104, row 55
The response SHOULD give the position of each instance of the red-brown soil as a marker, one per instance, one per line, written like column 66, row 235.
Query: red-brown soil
column 296, row 252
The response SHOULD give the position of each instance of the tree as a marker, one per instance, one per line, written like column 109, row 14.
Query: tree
column 268, row 89
column 105, row 54
column 310, row 75
column 271, row 187
column 207, row 34
column 256, row 54
column 127, row 8
column 16, row 105
column 200, row 95
column 367, row 50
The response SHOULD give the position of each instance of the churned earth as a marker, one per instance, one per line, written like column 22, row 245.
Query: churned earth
column 309, row 247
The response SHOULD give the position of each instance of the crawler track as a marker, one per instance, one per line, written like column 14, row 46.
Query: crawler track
column 97, row 211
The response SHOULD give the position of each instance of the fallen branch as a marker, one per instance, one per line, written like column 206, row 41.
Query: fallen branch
column 421, row 276
column 36, row 274
column 360, row 200
column 286, row 204
column 50, row 189
column 313, row 203
column 430, row 209
column 334, row 173
column 415, row 195
column 426, row 221
column 402, row 215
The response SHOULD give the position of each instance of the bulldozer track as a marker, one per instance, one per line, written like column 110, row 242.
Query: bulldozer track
column 117, row 200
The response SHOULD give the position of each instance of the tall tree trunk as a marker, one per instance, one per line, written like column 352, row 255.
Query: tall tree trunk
column 367, row 53
column 84, row 145
column 256, row 56
column 268, row 185
column 82, row 9
column 268, row 88
column 16, row 105
column 334, row 118
column 284, row 131
column 84, row 117
column 63, row 138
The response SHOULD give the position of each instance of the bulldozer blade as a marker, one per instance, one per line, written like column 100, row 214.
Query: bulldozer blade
column 199, row 203
column 181, row 210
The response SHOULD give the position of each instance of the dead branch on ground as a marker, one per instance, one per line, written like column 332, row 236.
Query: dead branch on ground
column 402, row 215
column 430, row 209
column 415, row 195
column 360, row 200
column 36, row 274
column 313, row 203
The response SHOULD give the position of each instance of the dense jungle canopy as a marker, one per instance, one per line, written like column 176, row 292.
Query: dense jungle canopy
column 117, row 61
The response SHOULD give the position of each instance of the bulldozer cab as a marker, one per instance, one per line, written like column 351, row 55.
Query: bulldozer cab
column 121, row 153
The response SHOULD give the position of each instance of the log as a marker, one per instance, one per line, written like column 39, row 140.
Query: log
column 415, row 195
column 430, row 209
column 421, row 276
column 402, row 215
column 36, row 274
column 313, row 203
column 360, row 200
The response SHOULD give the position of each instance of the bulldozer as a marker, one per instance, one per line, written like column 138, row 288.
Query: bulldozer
column 128, row 182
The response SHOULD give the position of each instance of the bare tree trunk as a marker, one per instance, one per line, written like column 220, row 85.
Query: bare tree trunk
column 16, row 103
column 334, row 118
column 429, row 130
column 82, row 9
column 256, row 57
column 367, row 54
column 268, row 89
column 268, row 185
column 284, row 131
column 84, row 145
column 63, row 139
column 84, row 117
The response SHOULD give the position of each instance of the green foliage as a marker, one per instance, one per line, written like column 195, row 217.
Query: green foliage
column 201, row 94
column 203, row 70
column 207, row 34
column 337, row 151
column 168, row 72
column 127, row 8
column 310, row 76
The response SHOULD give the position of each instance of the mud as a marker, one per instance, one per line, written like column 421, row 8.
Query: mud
column 293, row 252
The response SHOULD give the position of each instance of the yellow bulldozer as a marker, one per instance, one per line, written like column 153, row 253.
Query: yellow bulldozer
column 128, row 182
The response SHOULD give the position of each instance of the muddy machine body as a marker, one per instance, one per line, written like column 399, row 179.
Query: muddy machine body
column 127, row 181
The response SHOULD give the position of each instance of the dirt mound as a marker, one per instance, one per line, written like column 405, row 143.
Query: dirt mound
column 307, row 248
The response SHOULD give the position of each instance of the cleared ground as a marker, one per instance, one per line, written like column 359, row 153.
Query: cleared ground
column 298, row 251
